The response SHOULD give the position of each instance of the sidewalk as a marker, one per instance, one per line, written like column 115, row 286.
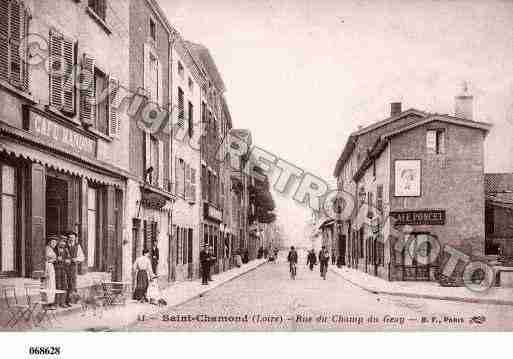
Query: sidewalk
column 427, row 290
column 120, row 317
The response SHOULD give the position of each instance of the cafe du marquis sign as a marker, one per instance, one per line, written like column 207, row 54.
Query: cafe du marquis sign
column 60, row 136
column 429, row 217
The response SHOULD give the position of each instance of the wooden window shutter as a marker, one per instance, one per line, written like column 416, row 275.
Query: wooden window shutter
column 26, row 74
column 147, row 151
column 56, row 69
column 4, row 39
column 87, row 91
column 15, row 35
column 161, row 164
column 68, row 80
column 114, row 122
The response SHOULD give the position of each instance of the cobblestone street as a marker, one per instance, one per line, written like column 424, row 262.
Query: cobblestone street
column 267, row 299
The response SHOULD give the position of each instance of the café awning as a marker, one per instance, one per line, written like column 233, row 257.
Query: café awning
column 60, row 163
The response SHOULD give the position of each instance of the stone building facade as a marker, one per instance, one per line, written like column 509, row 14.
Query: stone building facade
column 418, row 173
column 63, row 144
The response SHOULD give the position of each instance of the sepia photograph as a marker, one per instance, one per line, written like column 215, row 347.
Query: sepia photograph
column 255, row 166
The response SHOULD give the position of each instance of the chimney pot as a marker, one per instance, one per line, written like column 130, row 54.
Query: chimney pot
column 395, row 109
column 464, row 104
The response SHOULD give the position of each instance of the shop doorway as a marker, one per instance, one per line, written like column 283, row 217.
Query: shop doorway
column 56, row 205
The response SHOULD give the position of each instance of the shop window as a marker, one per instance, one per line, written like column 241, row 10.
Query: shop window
column 8, row 219
column 14, row 26
column 92, row 228
column 99, row 7
column 435, row 141
column 101, row 84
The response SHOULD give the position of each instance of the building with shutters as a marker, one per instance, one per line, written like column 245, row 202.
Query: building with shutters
column 187, row 79
column 63, row 143
column 150, row 189
column 417, row 173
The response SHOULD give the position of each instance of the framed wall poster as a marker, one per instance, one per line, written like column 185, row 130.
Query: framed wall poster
column 407, row 178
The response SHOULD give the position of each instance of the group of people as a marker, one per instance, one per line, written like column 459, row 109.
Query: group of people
column 311, row 259
column 63, row 255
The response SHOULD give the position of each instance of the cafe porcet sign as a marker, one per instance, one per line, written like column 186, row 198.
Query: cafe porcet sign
column 429, row 217
column 61, row 136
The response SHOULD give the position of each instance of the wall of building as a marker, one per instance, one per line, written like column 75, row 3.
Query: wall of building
column 454, row 182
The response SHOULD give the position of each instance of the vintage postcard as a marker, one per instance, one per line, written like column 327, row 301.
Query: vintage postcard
column 296, row 165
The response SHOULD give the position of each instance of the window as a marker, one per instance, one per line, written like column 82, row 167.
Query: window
column 62, row 79
column 178, row 245
column 14, row 26
column 153, row 30
column 8, row 217
column 370, row 204
column 181, row 109
column 98, row 99
column 191, row 119
column 204, row 187
column 101, row 84
column 180, row 69
column 92, row 206
column 191, row 85
column 435, row 141
column 99, row 7
column 180, row 177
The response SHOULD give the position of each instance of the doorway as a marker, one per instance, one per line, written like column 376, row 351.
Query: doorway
column 56, row 205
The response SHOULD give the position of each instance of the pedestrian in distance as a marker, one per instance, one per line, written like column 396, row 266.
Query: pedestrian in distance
column 205, row 265
column 292, row 259
column 324, row 258
column 311, row 259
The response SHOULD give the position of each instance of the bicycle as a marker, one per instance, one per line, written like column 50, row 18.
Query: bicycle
column 293, row 271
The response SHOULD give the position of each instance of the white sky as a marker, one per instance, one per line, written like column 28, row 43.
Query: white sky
column 303, row 74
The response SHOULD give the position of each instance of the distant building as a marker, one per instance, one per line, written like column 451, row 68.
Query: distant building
column 499, row 214
column 414, row 169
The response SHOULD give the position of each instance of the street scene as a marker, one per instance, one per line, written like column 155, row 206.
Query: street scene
column 272, row 301
column 291, row 165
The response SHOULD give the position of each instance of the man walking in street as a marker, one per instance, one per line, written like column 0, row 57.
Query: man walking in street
column 205, row 265
column 292, row 259
column 154, row 255
column 311, row 259
column 77, row 257
column 324, row 258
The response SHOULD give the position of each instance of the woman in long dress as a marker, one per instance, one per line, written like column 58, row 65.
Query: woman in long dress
column 50, row 258
column 144, row 273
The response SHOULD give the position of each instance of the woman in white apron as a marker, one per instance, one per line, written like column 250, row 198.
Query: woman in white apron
column 50, row 258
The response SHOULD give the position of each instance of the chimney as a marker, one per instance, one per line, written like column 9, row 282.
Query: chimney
column 464, row 104
column 395, row 109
